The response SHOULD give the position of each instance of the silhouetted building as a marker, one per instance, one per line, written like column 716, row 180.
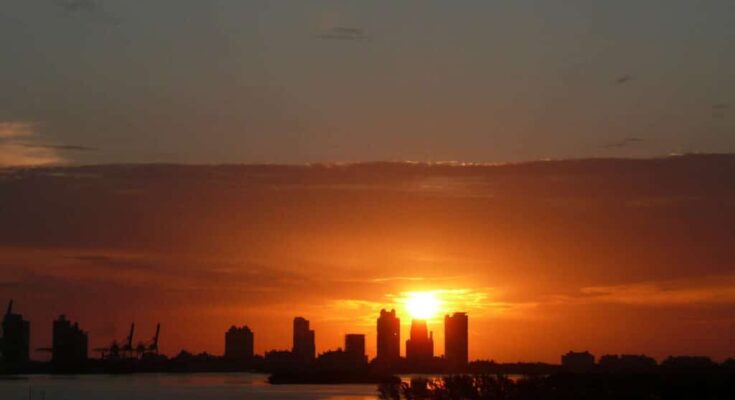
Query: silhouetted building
column 340, row 360
column 389, row 337
column 16, row 337
column 303, row 340
column 420, row 345
column 69, row 343
column 239, row 343
column 688, row 362
column 456, row 340
column 355, row 346
column 578, row 362
column 279, row 359
column 626, row 363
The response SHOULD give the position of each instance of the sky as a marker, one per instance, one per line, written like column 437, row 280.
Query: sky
column 611, row 256
column 113, row 81
column 210, row 163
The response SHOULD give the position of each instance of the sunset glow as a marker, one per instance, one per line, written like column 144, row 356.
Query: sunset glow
column 365, row 199
column 422, row 305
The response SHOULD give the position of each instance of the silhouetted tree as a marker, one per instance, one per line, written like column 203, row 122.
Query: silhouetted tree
column 567, row 386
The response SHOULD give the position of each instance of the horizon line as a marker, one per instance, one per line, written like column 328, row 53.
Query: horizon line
column 343, row 164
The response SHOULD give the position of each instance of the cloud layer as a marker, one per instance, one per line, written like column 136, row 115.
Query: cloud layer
column 608, row 255
column 15, row 149
column 342, row 33
column 21, row 145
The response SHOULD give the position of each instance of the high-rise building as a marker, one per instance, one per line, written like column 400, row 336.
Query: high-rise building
column 303, row 340
column 420, row 345
column 16, row 341
column 389, row 336
column 239, row 343
column 455, row 340
column 355, row 346
column 69, row 343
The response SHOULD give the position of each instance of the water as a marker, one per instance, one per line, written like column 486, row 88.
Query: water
column 214, row 386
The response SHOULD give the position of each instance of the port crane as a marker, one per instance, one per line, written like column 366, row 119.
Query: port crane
column 126, row 350
column 117, row 350
column 142, row 349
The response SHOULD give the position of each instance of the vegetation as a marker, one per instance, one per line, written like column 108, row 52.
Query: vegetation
column 597, row 386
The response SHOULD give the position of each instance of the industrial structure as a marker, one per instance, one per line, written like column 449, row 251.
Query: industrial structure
column 125, row 350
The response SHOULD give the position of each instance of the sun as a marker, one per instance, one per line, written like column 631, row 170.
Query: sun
column 422, row 305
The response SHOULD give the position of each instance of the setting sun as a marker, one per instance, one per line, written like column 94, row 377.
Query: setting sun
column 422, row 305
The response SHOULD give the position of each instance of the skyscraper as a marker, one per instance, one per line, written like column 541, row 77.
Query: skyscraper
column 16, row 337
column 420, row 345
column 389, row 336
column 355, row 346
column 239, row 343
column 303, row 340
column 455, row 340
column 69, row 343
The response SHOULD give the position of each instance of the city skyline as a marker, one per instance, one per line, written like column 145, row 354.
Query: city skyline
column 71, row 342
column 545, row 257
column 70, row 353
column 520, row 199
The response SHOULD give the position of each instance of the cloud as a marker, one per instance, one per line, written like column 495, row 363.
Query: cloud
column 479, row 302
column 625, row 142
column 89, row 8
column 63, row 147
column 14, row 155
column 78, row 5
column 9, row 285
column 128, row 261
column 718, row 110
column 21, row 145
column 623, row 79
column 91, row 258
column 397, row 278
column 227, row 243
column 342, row 33
column 15, row 150
column 704, row 291
column 11, row 130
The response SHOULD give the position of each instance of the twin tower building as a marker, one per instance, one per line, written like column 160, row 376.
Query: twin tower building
column 420, row 345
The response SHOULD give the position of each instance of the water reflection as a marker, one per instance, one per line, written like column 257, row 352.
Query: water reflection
column 214, row 386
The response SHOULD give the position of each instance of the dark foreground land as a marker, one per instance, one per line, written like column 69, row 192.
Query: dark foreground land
column 482, row 380
column 567, row 386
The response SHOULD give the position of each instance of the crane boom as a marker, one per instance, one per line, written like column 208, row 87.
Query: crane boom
column 130, row 337
column 154, row 347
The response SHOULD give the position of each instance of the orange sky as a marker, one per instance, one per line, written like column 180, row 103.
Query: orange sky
column 606, row 256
